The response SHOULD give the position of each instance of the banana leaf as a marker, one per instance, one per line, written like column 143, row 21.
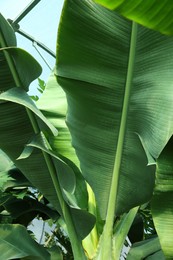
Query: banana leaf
column 117, row 76
column 156, row 14
column 162, row 201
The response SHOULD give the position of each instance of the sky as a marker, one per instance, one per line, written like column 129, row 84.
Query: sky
column 41, row 23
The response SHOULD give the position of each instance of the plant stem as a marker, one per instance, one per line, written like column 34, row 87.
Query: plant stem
column 106, row 247
column 121, row 230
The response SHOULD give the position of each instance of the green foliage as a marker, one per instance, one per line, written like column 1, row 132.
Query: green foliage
column 116, row 153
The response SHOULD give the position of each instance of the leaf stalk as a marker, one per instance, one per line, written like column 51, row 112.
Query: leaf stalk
column 106, row 246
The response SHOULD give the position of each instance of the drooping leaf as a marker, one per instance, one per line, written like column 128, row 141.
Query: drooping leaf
column 65, row 173
column 53, row 105
column 162, row 201
column 19, row 96
column 83, row 221
column 15, row 119
column 102, row 58
column 155, row 14
column 27, row 71
column 16, row 126
column 22, row 126
column 15, row 242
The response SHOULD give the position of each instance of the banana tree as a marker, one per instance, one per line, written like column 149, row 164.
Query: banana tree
column 117, row 78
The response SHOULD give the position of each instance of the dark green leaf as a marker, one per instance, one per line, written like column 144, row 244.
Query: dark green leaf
column 95, row 55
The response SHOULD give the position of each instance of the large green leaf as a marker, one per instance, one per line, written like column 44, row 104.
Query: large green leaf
column 162, row 201
column 155, row 14
column 118, row 80
column 15, row 242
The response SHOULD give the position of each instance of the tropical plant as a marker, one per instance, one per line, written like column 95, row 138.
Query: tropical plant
column 116, row 77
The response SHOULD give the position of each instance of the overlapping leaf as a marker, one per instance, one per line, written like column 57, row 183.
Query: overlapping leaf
column 19, row 125
column 17, row 129
column 53, row 105
column 92, row 67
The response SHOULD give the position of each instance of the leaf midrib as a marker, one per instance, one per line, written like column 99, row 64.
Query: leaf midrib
column 120, row 144
column 123, row 122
